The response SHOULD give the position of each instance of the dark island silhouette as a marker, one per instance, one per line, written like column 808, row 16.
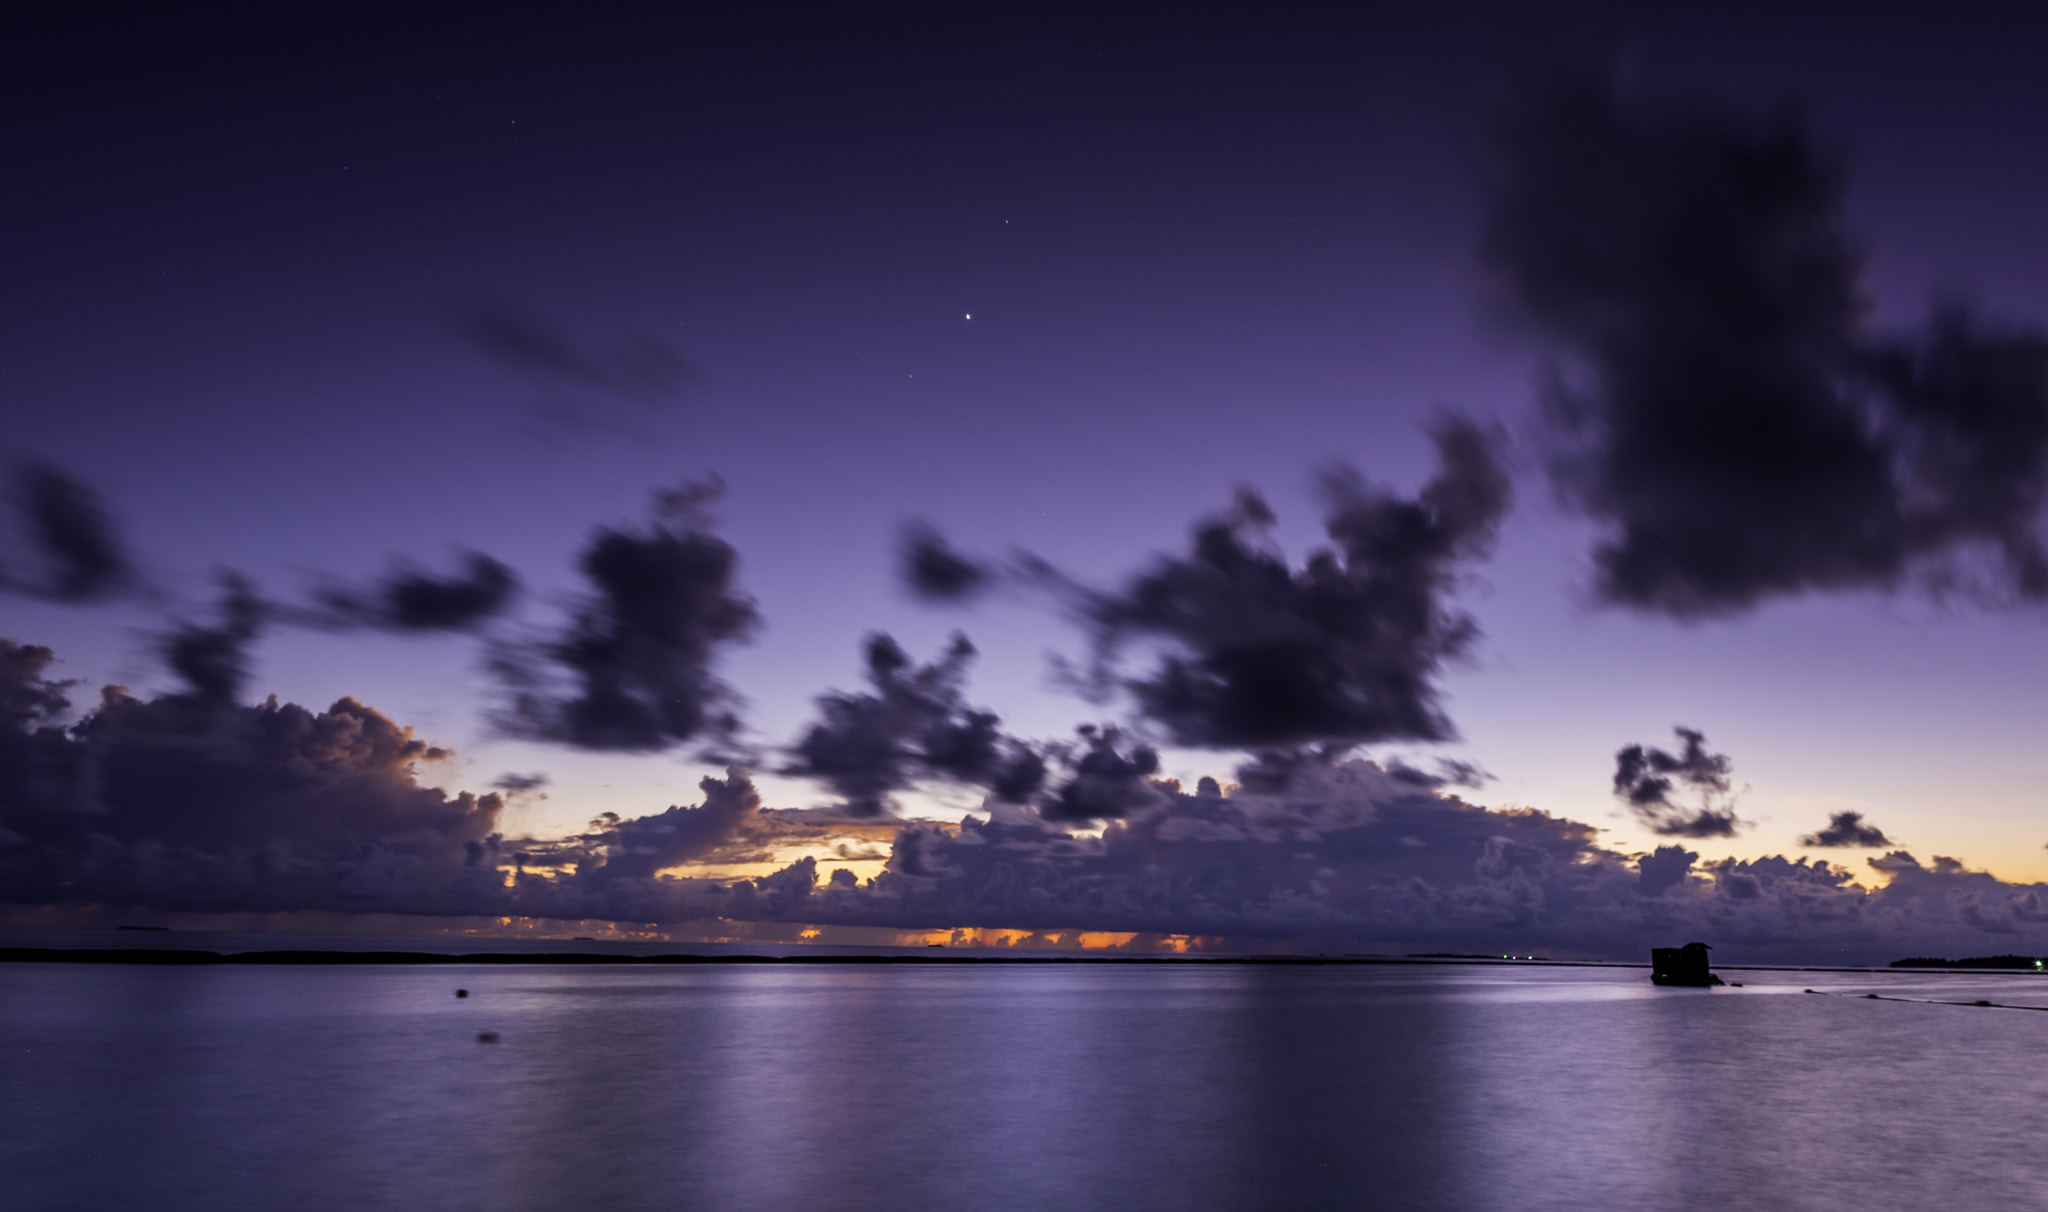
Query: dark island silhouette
column 2027, row 963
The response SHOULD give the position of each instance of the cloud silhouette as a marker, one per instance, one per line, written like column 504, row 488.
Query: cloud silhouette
column 213, row 660
column 84, row 557
column 641, row 846
column 1256, row 653
column 915, row 723
column 1647, row 778
column 1847, row 829
column 935, row 571
column 154, row 803
column 1719, row 401
column 411, row 600
column 1105, row 782
column 1664, row 869
column 633, row 671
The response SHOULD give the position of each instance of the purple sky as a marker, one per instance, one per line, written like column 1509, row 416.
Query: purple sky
column 1198, row 252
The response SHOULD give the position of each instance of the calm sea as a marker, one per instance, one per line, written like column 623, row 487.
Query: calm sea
column 991, row 1087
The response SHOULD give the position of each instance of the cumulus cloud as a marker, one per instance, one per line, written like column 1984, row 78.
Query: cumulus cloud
column 28, row 700
column 1255, row 653
column 634, row 669
column 1720, row 402
column 915, row 723
column 1646, row 780
column 150, row 802
column 935, row 571
column 1663, row 869
column 80, row 546
column 640, row 846
column 1106, row 782
column 213, row 659
column 1350, row 856
column 411, row 600
column 1847, row 830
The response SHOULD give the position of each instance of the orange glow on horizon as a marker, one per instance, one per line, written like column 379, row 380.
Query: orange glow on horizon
column 1053, row 940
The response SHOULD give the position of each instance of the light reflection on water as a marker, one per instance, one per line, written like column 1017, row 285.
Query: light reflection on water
column 992, row 1087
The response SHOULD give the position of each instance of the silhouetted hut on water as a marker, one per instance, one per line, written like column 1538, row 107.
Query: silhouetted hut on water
column 1685, row 965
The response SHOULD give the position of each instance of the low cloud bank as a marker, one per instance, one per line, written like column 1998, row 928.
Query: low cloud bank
column 188, row 804
column 193, row 801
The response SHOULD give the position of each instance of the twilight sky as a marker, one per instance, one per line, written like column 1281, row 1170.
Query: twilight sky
column 320, row 297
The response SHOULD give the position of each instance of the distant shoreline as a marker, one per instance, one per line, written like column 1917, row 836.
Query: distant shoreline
column 190, row 957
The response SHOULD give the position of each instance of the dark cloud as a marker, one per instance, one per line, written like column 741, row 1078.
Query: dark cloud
column 1664, row 869
column 38, row 763
column 410, row 600
column 1721, row 404
column 1106, row 782
column 1847, row 829
column 1969, row 415
column 1257, row 654
column 213, row 660
column 520, row 784
column 80, row 545
column 634, row 669
column 28, row 700
column 1449, row 772
column 1345, row 851
column 639, row 847
column 935, row 571
column 914, row 724
column 270, row 807
column 1345, row 648
column 1647, row 778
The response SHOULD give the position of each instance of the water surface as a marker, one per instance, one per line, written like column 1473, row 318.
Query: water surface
column 1027, row 1087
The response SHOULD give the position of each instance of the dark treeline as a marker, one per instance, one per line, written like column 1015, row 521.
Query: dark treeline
column 2027, row 962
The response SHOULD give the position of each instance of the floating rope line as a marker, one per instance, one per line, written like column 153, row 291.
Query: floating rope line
column 1922, row 1001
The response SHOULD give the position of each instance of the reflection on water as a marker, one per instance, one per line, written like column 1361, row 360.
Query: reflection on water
column 994, row 1087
